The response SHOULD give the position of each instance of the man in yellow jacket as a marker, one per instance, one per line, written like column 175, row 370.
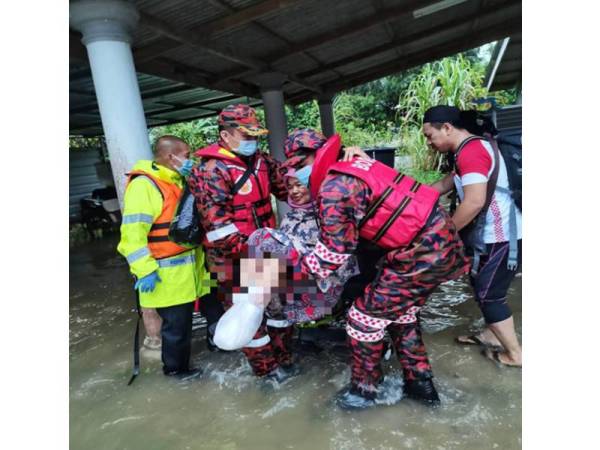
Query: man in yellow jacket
column 169, row 276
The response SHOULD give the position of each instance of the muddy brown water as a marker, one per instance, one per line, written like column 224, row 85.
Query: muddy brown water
column 229, row 409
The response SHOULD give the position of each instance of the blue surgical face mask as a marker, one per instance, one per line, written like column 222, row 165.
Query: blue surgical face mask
column 246, row 148
column 186, row 166
column 303, row 175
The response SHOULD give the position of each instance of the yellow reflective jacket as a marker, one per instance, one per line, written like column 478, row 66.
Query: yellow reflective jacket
column 183, row 276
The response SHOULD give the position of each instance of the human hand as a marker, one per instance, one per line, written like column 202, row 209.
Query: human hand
column 352, row 152
column 148, row 283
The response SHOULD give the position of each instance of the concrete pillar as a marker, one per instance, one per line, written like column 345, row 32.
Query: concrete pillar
column 271, row 84
column 106, row 27
column 326, row 113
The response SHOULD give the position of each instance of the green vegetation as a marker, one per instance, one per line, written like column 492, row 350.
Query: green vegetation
column 385, row 112
column 455, row 81
column 197, row 133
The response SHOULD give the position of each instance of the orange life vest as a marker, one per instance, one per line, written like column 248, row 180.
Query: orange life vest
column 158, row 238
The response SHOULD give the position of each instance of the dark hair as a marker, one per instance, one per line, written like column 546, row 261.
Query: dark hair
column 227, row 128
column 476, row 123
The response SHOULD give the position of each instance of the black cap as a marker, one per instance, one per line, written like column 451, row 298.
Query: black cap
column 441, row 114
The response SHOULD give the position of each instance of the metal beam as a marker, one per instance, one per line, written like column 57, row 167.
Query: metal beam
column 197, row 40
column 431, row 53
column 217, row 27
column 194, row 39
column 352, row 28
column 145, row 96
column 242, row 17
column 192, row 105
column 412, row 37
column 269, row 32
column 175, row 71
column 384, row 15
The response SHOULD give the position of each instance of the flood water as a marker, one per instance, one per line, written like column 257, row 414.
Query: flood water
column 227, row 408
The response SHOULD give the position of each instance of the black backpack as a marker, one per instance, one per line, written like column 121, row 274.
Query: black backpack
column 185, row 228
column 509, row 144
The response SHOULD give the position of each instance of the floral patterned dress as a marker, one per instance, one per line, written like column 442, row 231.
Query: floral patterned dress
column 299, row 231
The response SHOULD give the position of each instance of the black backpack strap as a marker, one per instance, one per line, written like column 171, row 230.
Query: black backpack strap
column 136, row 340
column 239, row 183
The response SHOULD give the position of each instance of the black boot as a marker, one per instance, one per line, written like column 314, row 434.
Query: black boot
column 352, row 398
column 281, row 374
column 422, row 390
column 185, row 375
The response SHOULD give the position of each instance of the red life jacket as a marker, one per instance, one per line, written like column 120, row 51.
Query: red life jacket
column 252, row 202
column 401, row 206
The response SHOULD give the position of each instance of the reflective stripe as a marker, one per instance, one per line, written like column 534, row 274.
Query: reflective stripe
column 329, row 256
column 381, row 324
column 140, row 253
column 369, row 321
column 254, row 343
column 136, row 218
column 365, row 337
column 278, row 323
column 188, row 259
column 314, row 266
column 222, row 232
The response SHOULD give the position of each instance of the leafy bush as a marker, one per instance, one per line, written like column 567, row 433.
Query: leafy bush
column 197, row 133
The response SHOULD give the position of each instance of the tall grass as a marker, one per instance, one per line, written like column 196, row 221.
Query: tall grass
column 453, row 81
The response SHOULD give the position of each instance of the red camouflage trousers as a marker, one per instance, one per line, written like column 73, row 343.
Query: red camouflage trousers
column 405, row 280
column 275, row 352
column 271, row 344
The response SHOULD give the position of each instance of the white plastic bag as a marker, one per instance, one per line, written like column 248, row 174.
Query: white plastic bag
column 239, row 324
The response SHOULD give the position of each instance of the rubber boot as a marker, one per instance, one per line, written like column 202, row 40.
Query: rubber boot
column 185, row 375
column 351, row 398
column 422, row 390
column 282, row 374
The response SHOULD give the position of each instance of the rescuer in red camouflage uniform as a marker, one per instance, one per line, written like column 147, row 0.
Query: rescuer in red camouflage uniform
column 229, row 217
column 406, row 277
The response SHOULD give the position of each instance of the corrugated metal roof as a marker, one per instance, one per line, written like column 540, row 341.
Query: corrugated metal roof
column 291, row 36
column 505, row 67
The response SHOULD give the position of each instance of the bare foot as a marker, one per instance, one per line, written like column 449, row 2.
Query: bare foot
column 486, row 338
column 503, row 358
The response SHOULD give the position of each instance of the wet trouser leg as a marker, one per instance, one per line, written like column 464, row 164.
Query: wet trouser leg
column 176, row 331
column 212, row 309
column 366, row 332
column 365, row 359
column 281, row 333
column 410, row 349
column 492, row 281
column 260, row 353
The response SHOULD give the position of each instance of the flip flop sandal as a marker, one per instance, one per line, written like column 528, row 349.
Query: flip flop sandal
column 494, row 355
column 470, row 340
column 474, row 340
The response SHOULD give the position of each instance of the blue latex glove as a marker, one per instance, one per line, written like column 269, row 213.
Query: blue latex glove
column 147, row 283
